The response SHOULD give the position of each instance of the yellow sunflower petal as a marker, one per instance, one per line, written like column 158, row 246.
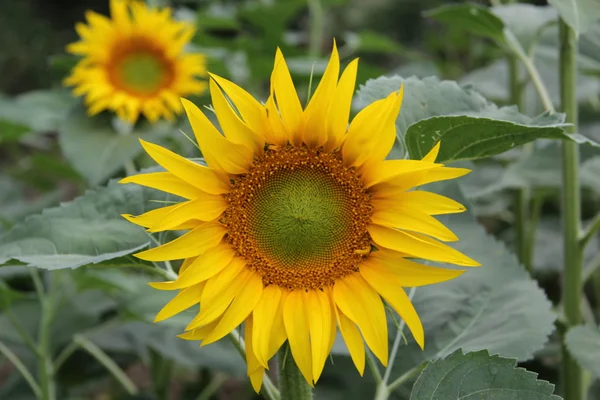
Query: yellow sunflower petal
column 205, row 208
column 264, row 314
column 233, row 127
column 410, row 273
column 166, row 182
column 186, row 170
column 295, row 319
column 315, row 134
column 151, row 217
column 251, row 110
column 361, row 303
column 390, row 169
column 418, row 246
column 278, row 334
column 193, row 243
column 219, row 152
column 370, row 130
column 318, row 307
column 287, row 99
column 255, row 370
column 219, row 283
column 415, row 221
column 399, row 184
column 389, row 288
column 339, row 109
column 240, row 308
column 353, row 340
column 182, row 301
column 199, row 333
column 213, row 307
column 202, row 268
column 426, row 202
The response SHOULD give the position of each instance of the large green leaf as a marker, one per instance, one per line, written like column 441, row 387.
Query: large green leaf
column 580, row 15
column 497, row 306
column 97, row 150
column 40, row 111
column 471, row 17
column 583, row 343
column 464, row 118
column 470, row 138
column 89, row 229
column 479, row 376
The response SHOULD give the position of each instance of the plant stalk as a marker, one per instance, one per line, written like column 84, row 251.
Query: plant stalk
column 315, row 9
column 572, row 285
column 45, row 364
column 522, row 194
column 292, row 384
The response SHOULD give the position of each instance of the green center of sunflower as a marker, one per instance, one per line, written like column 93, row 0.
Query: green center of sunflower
column 299, row 217
column 142, row 72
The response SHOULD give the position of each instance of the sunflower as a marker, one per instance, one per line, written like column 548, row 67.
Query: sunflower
column 134, row 63
column 298, row 224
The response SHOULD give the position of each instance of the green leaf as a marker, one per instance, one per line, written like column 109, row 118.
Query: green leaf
column 88, row 230
column 471, row 138
column 463, row 114
column 580, row 15
column 41, row 111
column 474, row 18
column 497, row 306
column 583, row 343
column 97, row 150
column 525, row 21
column 373, row 42
column 12, row 131
column 479, row 376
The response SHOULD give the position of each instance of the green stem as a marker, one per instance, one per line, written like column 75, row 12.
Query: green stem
column 536, row 211
column 315, row 9
column 405, row 377
column 107, row 362
column 596, row 286
column 46, row 368
column 372, row 364
column 16, row 361
column 534, row 75
column 21, row 330
column 211, row 388
column 162, row 369
column 292, row 384
column 572, row 285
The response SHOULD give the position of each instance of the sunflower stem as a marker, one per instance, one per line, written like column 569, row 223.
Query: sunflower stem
column 572, row 285
column 292, row 384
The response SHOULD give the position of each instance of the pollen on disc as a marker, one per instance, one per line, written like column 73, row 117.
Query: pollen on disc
column 299, row 218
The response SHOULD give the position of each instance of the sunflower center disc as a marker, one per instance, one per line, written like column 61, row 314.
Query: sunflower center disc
column 299, row 218
column 139, row 68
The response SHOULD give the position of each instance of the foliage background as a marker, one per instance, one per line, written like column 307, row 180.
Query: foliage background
column 49, row 155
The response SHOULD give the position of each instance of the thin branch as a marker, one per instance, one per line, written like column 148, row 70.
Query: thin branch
column 107, row 362
column 589, row 232
column 372, row 364
column 16, row 361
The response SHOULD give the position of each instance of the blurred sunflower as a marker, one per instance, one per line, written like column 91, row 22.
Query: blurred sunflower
column 134, row 63
column 298, row 225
